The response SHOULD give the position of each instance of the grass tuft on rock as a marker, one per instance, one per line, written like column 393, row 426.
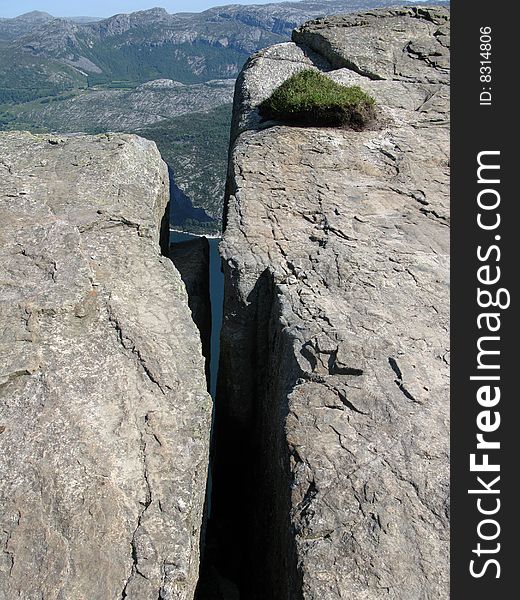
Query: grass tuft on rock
column 310, row 98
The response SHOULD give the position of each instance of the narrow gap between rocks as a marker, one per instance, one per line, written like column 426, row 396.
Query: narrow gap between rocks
column 246, row 539
column 247, row 544
column 198, row 261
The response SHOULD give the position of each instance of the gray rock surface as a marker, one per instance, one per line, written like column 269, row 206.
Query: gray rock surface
column 104, row 415
column 336, row 254
column 416, row 35
column 191, row 259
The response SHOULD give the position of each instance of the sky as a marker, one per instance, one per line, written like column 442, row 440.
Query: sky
column 107, row 8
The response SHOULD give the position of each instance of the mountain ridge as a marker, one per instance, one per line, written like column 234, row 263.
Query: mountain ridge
column 149, row 44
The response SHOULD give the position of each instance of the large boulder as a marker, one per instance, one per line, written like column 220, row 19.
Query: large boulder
column 104, row 415
column 335, row 351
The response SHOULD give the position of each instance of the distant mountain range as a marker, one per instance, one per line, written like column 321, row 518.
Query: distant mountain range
column 41, row 55
column 10, row 29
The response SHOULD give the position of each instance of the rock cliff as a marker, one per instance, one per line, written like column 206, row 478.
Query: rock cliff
column 104, row 415
column 336, row 262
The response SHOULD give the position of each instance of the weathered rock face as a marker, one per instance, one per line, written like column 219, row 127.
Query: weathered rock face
column 336, row 255
column 191, row 259
column 104, row 417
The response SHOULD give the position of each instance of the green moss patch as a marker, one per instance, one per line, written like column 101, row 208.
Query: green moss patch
column 311, row 98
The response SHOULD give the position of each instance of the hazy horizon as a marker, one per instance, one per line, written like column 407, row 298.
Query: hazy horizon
column 107, row 8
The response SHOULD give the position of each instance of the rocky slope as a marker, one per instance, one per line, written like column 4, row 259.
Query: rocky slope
column 124, row 110
column 336, row 259
column 104, row 415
